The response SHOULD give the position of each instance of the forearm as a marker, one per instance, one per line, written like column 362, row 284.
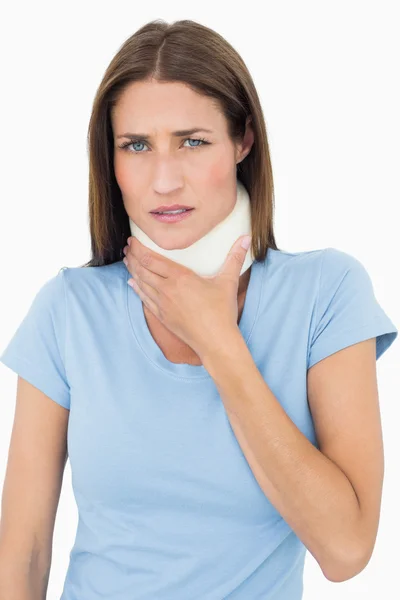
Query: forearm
column 22, row 580
column 312, row 493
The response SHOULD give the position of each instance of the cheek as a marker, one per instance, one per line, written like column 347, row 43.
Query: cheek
column 122, row 174
column 219, row 172
column 128, row 186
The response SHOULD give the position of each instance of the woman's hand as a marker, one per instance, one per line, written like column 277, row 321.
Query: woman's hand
column 199, row 310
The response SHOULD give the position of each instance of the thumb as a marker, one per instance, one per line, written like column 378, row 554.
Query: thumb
column 236, row 256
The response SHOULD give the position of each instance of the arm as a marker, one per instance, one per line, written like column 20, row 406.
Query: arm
column 36, row 461
column 310, row 491
column 19, row 583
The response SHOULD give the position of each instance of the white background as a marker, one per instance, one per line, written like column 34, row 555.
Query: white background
column 327, row 74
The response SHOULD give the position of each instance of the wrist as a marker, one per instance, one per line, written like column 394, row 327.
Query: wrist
column 223, row 346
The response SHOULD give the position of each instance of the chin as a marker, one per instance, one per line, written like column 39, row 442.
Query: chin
column 174, row 244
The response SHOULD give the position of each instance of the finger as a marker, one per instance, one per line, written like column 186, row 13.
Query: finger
column 151, row 305
column 151, row 292
column 147, row 277
column 234, row 261
column 151, row 260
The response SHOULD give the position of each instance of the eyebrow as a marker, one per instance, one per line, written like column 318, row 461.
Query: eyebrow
column 179, row 133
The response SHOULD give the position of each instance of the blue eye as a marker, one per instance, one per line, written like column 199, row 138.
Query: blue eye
column 125, row 146
column 194, row 140
column 133, row 143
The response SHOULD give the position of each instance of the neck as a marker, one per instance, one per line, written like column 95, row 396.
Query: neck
column 244, row 282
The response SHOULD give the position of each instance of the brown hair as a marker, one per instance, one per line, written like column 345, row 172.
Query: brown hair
column 188, row 52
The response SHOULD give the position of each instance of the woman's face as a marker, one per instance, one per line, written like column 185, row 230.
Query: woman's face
column 171, row 169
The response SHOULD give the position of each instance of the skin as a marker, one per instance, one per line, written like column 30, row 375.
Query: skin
column 166, row 169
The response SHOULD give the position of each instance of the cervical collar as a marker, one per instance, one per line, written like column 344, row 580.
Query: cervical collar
column 207, row 256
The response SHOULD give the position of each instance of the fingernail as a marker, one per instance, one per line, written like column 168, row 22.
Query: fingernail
column 245, row 243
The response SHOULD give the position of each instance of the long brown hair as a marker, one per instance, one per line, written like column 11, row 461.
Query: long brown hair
column 188, row 52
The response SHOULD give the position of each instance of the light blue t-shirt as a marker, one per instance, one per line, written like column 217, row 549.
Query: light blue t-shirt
column 169, row 508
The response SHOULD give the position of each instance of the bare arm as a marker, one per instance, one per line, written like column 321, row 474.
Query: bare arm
column 329, row 497
column 31, row 492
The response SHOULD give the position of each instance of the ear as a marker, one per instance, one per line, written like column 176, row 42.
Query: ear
column 244, row 147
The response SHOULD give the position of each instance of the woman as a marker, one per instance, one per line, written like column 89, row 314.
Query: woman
column 211, row 417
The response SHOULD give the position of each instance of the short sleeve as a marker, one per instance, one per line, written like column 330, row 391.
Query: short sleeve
column 347, row 311
column 36, row 350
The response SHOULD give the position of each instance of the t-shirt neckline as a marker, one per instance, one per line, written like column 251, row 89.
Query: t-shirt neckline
column 153, row 352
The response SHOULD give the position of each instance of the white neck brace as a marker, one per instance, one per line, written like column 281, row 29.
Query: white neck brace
column 206, row 256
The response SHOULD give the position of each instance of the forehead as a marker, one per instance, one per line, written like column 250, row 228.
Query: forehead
column 148, row 105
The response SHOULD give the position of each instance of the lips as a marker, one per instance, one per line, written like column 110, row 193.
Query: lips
column 174, row 217
column 164, row 208
column 183, row 210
